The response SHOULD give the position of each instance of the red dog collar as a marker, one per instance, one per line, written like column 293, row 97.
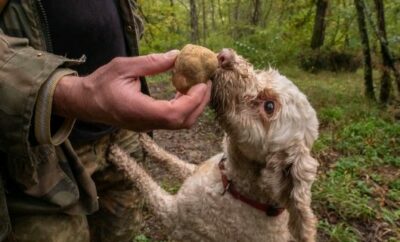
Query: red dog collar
column 268, row 209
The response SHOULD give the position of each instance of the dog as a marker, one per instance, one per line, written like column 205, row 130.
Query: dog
column 259, row 187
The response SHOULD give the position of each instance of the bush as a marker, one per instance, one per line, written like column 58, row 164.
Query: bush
column 331, row 60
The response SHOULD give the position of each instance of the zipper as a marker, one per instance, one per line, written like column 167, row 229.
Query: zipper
column 45, row 25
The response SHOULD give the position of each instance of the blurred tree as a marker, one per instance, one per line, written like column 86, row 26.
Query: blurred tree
column 213, row 14
column 236, row 32
column 204, row 18
column 381, row 36
column 194, row 23
column 283, row 30
column 318, row 36
column 221, row 16
column 386, row 59
column 369, row 87
column 236, row 11
column 267, row 13
column 256, row 12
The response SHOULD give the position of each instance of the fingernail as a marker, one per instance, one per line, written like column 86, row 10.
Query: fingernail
column 172, row 53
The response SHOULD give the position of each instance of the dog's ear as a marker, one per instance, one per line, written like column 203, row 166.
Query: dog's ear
column 302, row 170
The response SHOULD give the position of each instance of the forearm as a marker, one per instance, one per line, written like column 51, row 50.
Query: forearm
column 64, row 104
column 142, row 113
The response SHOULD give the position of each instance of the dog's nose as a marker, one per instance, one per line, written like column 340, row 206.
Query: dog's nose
column 225, row 58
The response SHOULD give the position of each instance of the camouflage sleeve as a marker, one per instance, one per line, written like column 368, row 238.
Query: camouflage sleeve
column 23, row 71
column 43, row 112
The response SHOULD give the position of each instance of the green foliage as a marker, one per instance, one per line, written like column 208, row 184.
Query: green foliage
column 323, row 143
column 375, row 139
column 281, row 35
column 342, row 191
column 331, row 114
column 170, row 187
column 141, row 238
column 338, row 232
column 359, row 150
column 329, row 59
column 165, row 29
column 209, row 114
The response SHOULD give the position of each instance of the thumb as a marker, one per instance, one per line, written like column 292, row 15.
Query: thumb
column 153, row 63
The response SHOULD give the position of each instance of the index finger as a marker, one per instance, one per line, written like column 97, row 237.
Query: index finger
column 151, row 64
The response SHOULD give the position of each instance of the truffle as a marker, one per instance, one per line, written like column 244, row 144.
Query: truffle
column 195, row 64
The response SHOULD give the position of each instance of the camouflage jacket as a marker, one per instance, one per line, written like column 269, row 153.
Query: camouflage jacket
column 34, row 158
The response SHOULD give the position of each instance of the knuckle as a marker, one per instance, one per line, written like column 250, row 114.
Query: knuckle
column 152, row 58
column 119, row 65
column 117, row 61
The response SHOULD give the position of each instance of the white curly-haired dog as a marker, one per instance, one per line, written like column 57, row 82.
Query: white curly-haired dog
column 258, row 189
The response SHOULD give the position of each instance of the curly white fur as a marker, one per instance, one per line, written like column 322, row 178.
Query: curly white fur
column 268, row 160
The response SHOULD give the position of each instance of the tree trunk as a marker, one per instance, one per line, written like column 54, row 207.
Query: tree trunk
column 318, row 36
column 213, row 14
column 256, row 12
column 204, row 21
column 385, row 79
column 236, row 11
column 283, row 9
column 221, row 17
column 385, row 45
column 267, row 12
column 194, row 23
column 235, row 30
column 369, row 88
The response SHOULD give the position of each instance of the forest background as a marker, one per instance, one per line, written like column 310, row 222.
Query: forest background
column 344, row 54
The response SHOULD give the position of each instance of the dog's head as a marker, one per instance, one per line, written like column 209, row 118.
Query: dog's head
column 263, row 113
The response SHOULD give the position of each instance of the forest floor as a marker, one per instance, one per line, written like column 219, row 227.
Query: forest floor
column 357, row 193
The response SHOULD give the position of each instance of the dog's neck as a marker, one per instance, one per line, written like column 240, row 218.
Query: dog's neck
column 244, row 173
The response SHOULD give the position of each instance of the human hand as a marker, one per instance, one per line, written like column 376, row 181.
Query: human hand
column 112, row 95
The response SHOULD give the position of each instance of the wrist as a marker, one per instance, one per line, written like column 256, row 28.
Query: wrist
column 65, row 96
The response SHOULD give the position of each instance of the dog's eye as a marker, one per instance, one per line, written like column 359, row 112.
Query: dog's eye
column 269, row 107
